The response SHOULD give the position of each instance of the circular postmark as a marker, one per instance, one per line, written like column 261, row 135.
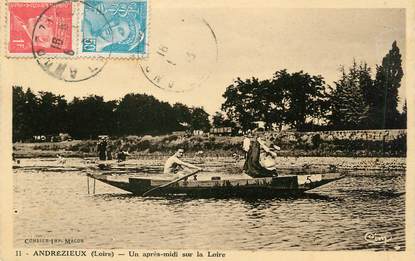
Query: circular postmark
column 182, row 55
column 54, row 41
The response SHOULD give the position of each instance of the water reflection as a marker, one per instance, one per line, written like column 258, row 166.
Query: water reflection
column 333, row 217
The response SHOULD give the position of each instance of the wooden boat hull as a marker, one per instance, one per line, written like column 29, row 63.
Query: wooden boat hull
column 242, row 187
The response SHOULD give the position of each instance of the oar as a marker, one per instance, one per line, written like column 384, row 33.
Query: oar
column 170, row 183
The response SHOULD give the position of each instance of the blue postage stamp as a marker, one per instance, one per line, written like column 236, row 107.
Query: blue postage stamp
column 117, row 27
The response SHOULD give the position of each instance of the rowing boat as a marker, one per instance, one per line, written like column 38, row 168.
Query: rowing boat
column 218, row 187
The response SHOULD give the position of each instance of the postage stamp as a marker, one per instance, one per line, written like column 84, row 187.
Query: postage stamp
column 90, row 28
column 59, row 67
column 54, row 34
column 116, row 27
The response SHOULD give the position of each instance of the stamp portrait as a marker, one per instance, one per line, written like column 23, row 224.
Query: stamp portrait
column 117, row 27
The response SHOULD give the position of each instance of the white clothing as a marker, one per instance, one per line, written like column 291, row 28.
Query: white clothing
column 246, row 144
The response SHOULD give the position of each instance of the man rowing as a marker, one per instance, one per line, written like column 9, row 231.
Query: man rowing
column 174, row 165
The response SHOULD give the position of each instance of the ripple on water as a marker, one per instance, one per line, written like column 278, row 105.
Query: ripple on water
column 333, row 217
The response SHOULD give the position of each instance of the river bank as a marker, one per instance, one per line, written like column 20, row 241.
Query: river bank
column 368, row 143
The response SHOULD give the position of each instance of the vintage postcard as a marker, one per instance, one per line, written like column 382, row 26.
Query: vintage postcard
column 207, row 130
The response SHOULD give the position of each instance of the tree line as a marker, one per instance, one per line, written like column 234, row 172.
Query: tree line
column 357, row 100
column 45, row 113
column 305, row 102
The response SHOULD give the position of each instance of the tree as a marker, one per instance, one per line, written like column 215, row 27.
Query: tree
column 403, row 117
column 21, row 130
column 164, row 118
column 52, row 113
column 304, row 98
column 218, row 120
column 132, row 114
column 31, row 112
column 349, row 105
column 297, row 99
column 252, row 100
column 386, row 85
column 42, row 114
column 90, row 117
column 200, row 119
column 182, row 115
column 221, row 120
column 61, row 114
column 239, row 99
column 138, row 114
column 269, row 104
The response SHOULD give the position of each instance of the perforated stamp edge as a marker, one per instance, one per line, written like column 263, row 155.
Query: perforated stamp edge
column 77, row 44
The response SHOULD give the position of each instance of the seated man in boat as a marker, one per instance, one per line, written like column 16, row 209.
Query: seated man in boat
column 174, row 165
column 253, row 166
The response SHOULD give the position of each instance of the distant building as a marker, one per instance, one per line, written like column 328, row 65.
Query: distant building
column 259, row 125
column 221, row 131
column 179, row 133
column 39, row 138
column 198, row 132
column 64, row 136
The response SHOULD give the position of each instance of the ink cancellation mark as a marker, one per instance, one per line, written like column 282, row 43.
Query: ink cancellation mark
column 43, row 49
column 117, row 27
column 183, row 60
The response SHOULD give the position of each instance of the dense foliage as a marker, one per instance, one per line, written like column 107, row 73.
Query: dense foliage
column 299, row 100
column 135, row 114
column 305, row 102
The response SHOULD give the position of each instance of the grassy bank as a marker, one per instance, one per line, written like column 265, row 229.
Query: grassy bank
column 158, row 145
column 218, row 146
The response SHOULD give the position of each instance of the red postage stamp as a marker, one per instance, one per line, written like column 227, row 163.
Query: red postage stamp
column 47, row 26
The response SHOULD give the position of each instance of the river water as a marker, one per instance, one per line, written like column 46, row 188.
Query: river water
column 364, row 211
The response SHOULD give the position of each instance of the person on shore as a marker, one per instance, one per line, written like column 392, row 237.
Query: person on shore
column 102, row 149
column 122, row 156
column 253, row 166
column 174, row 165
column 109, row 154
column 61, row 159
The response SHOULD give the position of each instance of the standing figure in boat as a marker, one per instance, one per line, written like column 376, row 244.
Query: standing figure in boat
column 246, row 144
column 174, row 165
column 260, row 161
column 268, row 157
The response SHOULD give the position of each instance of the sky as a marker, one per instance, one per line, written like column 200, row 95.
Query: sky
column 250, row 42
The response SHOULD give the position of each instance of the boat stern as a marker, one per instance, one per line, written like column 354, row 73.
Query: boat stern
column 312, row 181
